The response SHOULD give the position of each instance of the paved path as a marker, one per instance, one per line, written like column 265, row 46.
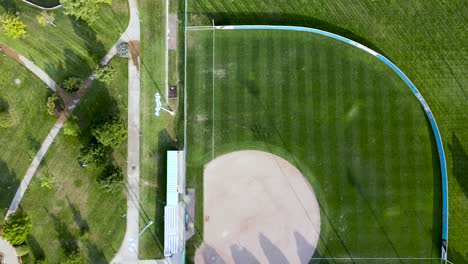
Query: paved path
column 128, row 252
column 9, row 252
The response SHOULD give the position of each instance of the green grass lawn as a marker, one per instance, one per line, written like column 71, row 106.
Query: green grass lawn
column 342, row 117
column 72, row 48
column 425, row 38
column 157, row 133
column 76, row 213
column 26, row 103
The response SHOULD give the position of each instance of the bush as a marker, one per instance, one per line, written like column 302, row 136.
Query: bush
column 111, row 178
column 94, row 155
column 72, row 84
column 110, row 133
column 22, row 250
column 12, row 26
column 16, row 228
column 47, row 182
column 55, row 104
column 105, row 74
column 6, row 120
column 71, row 128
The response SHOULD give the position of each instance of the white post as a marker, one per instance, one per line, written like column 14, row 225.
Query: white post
column 132, row 241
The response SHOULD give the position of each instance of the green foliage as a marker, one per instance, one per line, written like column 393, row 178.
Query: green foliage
column 75, row 258
column 86, row 10
column 71, row 128
column 6, row 120
column 94, row 155
column 55, row 104
column 47, row 182
column 110, row 133
column 22, row 250
column 72, row 84
column 12, row 25
column 40, row 261
column 46, row 18
column 111, row 178
column 16, row 228
column 105, row 74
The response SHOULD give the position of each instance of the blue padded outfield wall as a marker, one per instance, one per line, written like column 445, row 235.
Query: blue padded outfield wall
column 413, row 88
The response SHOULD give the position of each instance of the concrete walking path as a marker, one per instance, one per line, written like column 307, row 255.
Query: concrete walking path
column 128, row 252
column 9, row 252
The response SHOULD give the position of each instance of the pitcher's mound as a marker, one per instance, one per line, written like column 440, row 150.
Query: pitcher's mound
column 258, row 208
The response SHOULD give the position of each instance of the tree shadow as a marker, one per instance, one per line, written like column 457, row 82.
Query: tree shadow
column 36, row 249
column 73, row 65
column 33, row 143
column 210, row 255
column 95, row 48
column 459, row 163
column 9, row 182
column 80, row 222
column 265, row 18
column 304, row 248
column 95, row 254
column 68, row 242
column 241, row 255
column 8, row 5
column 4, row 106
column 271, row 251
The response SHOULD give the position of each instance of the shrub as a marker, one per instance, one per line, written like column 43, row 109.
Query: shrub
column 111, row 178
column 71, row 128
column 105, row 74
column 22, row 250
column 16, row 228
column 110, row 133
column 6, row 120
column 12, row 26
column 55, row 104
column 72, row 84
column 47, row 182
column 46, row 18
column 94, row 155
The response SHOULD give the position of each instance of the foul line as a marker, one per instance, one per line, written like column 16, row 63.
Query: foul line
column 213, row 93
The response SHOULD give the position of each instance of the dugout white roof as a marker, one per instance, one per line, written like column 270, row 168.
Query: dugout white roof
column 171, row 218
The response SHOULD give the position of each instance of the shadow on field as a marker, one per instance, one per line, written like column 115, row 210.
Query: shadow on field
column 242, row 255
column 73, row 66
column 258, row 18
column 36, row 249
column 68, row 242
column 9, row 182
column 272, row 252
column 459, row 163
column 95, row 48
column 8, row 5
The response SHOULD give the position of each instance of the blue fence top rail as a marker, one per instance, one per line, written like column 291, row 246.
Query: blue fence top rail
column 413, row 88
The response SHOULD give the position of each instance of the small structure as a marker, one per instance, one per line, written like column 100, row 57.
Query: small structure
column 172, row 91
column 171, row 217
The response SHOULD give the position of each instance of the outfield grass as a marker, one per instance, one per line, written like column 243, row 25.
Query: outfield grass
column 76, row 213
column 26, row 103
column 157, row 133
column 341, row 116
column 425, row 38
column 72, row 48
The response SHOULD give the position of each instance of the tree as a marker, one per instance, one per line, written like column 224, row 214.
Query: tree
column 71, row 128
column 55, row 104
column 86, row 10
column 94, row 155
column 16, row 228
column 6, row 120
column 12, row 26
column 105, row 74
column 46, row 18
column 111, row 178
column 72, row 84
column 110, row 133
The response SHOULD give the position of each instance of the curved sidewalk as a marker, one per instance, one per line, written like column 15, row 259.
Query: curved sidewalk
column 9, row 252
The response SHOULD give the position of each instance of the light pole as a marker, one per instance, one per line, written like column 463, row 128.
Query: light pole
column 132, row 241
column 157, row 97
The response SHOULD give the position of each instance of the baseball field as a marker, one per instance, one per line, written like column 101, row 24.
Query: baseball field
column 343, row 118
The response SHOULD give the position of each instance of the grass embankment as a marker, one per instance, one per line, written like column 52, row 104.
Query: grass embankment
column 157, row 133
column 26, row 103
column 72, row 48
column 342, row 117
column 424, row 38
column 76, row 213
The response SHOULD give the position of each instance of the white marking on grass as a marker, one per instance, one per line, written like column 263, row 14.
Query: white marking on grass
column 213, row 93
column 17, row 81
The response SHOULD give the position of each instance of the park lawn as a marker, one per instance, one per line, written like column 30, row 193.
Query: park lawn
column 157, row 133
column 72, row 48
column 341, row 116
column 27, row 104
column 76, row 212
column 425, row 38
